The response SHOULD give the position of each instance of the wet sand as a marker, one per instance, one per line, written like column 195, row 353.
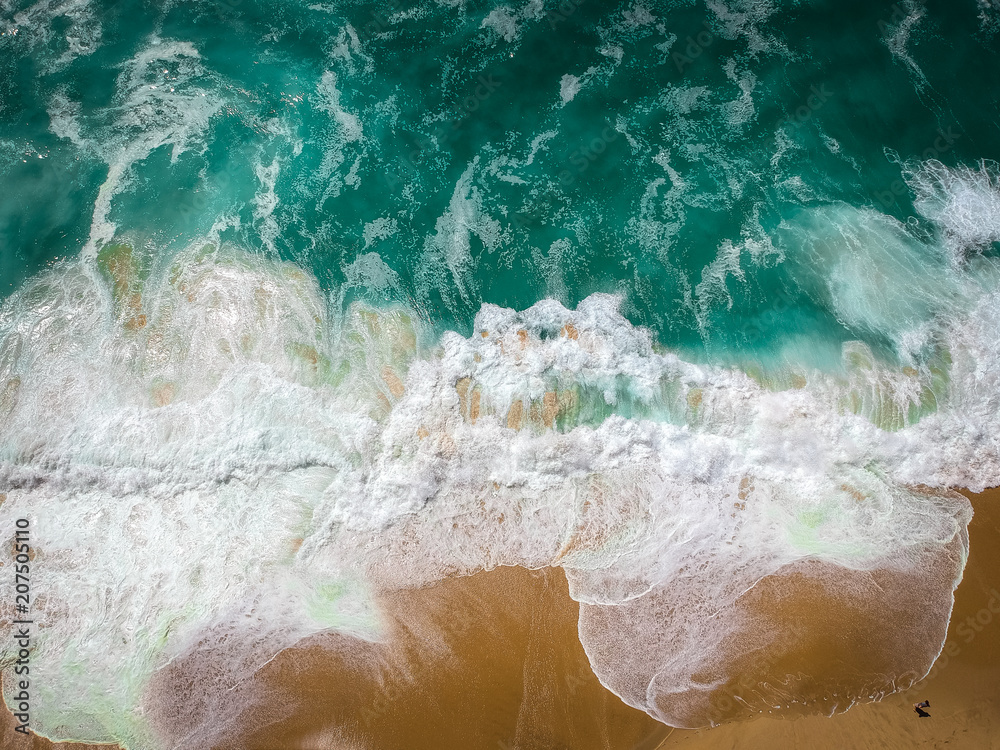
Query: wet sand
column 963, row 686
column 493, row 661
column 488, row 661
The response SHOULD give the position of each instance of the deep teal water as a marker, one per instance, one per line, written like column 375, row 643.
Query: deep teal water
column 696, row 127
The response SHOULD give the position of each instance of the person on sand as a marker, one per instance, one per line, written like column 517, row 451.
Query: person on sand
column 919, row 708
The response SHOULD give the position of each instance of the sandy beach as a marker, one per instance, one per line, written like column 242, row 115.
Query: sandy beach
column 963, row 687
column 493, row 661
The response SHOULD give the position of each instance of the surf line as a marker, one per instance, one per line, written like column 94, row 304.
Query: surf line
column 22, row 627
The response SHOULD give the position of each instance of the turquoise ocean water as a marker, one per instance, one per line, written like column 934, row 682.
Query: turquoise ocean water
column 672, row 155
column 286, row 281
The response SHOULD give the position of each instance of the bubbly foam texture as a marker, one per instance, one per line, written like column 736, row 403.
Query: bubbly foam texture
column 82, row 34
column 897, row 37
column 345, row 135
column 741, row 110
column 963, row 202
column 447, row 254
column 870, row 270
column 989, row 16
column 64, row 115
column 206, row 346
column 745, row 18
column 218, row 407
column 503, row 23
column 265, row 201
column 569, row 87
column 159, row 103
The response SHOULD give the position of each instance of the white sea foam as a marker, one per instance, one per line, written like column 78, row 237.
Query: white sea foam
column 898, row 31
column 569, row 87
column 638, row 15
column 449, row 250
column 963, row 203
column 265, row 201
column 380, row 229
column 553, row 265
column 747, row 19
column 64, row 120
column 344, row 139
column 870, row 270
column 661, row 211
column 502, row 21
column 369, row 273
column 293, row 452
column 347, row 51
column 329, row 101
column 712, row 286
column 897, row 36
column 170, row 387
column 741, row 110
column 158, row 103
column 989, row 16
column 82, row 34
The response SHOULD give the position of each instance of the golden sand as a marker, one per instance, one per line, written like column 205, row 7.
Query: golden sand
column 963, row 687
column 493, row 661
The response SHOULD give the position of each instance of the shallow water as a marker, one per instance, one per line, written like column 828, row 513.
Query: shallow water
column 307, row 303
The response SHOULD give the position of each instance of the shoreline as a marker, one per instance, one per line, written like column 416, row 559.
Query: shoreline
column 493, row 660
